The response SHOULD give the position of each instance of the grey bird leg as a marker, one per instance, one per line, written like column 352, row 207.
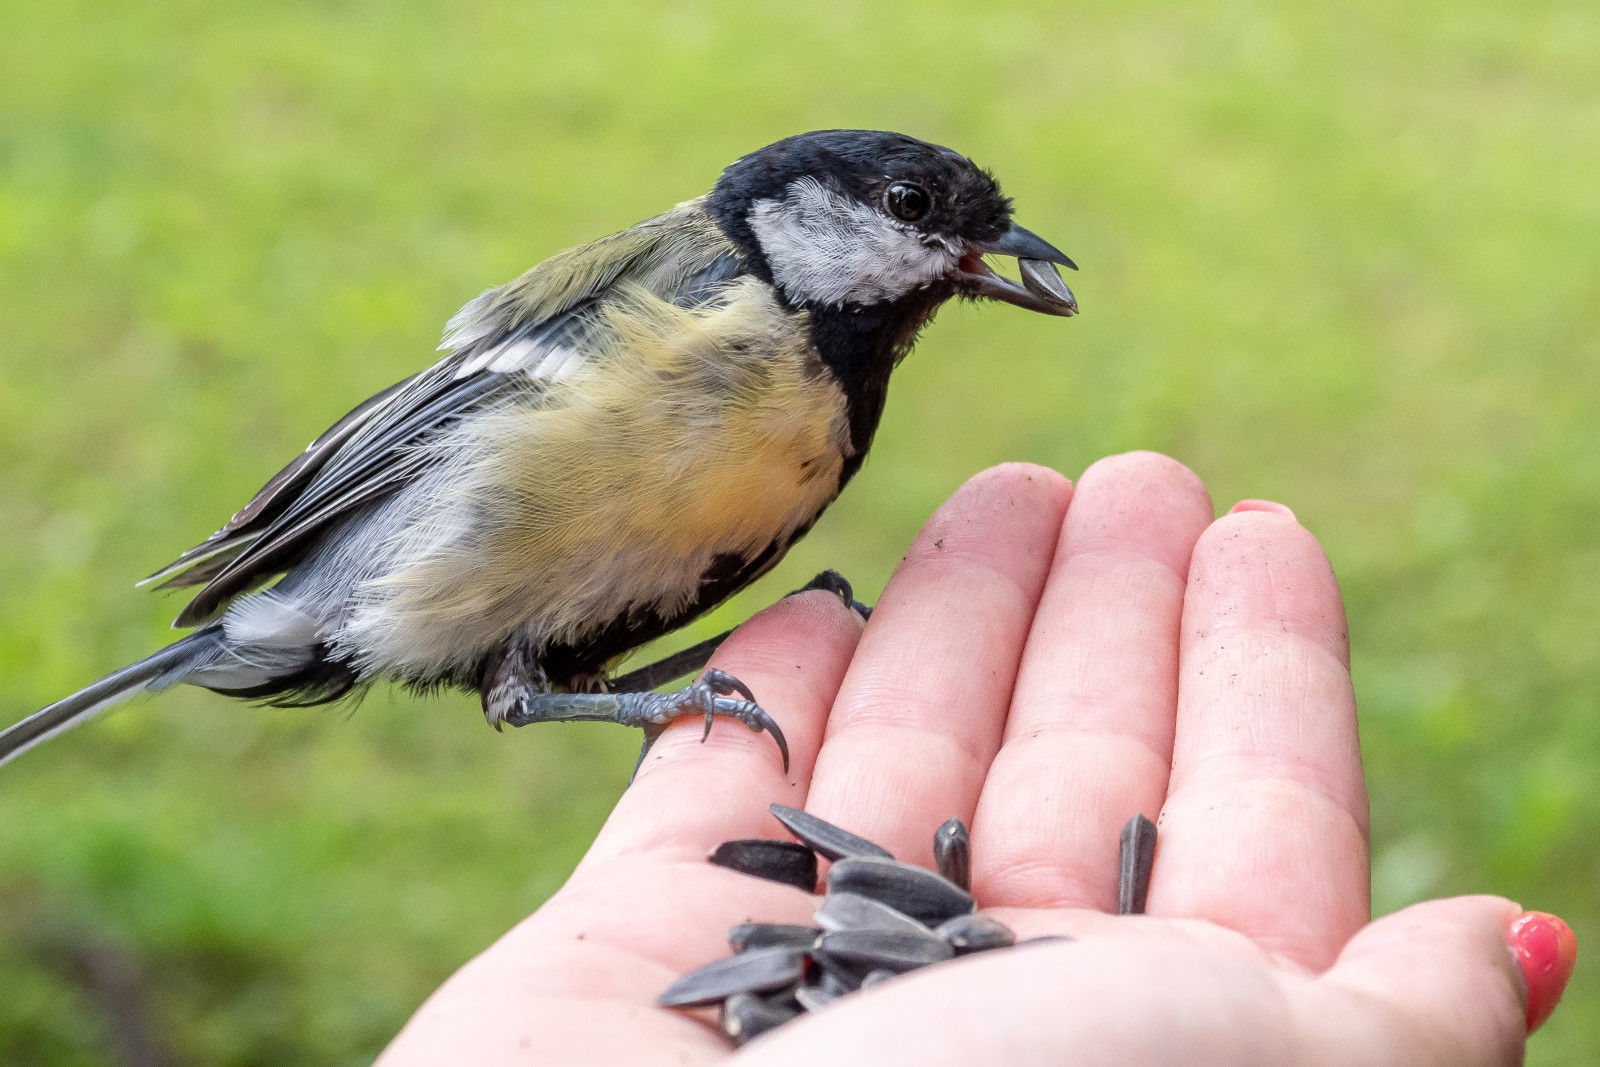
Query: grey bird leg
column 714, row 694
column 516, row 692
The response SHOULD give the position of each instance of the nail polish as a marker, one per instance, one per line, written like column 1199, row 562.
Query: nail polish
column 1546, row 949
column 1262, row 505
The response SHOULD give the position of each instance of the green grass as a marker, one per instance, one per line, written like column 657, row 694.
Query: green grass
column 1341, row 255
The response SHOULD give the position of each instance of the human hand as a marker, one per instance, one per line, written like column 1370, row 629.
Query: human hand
column 1043, row 672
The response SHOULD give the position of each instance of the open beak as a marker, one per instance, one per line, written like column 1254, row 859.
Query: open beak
column 1041, row 288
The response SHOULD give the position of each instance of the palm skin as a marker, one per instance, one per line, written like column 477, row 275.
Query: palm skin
column 1046, row 661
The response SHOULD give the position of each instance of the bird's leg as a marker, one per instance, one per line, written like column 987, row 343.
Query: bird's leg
column 714, row 694
column 696, row 656
column 511, row 676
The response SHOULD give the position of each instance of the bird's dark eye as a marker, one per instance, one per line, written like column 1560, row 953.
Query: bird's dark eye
column 907, row 201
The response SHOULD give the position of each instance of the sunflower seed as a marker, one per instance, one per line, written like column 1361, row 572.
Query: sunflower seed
column 863, row 951
column 829, row 840
column 906, row 888
column 765, row 935
column 1041, row 277
column 776, row 861
column 851, row 911
column 976, row 933
column 745, row 1016
column 1138, row 853
column 760, row 970
column 837, row 981
column 952, row 850
column 815, row 997
column 877, row 977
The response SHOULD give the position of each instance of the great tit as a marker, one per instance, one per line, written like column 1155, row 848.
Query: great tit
column 613, row 444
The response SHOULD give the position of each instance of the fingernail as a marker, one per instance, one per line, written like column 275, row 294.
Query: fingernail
column 1261, row 505
column 1546, row 949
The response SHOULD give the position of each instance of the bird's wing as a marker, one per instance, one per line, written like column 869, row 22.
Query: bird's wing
column 506, row 340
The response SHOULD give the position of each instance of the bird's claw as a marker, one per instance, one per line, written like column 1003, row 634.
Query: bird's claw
column 719, row 693
column 836, row 583
column 724, row 684
column 756, row 720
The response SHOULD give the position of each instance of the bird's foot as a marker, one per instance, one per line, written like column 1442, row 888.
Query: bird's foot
column 715, row 693
column 839, row 586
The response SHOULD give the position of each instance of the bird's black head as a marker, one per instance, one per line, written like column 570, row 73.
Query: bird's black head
column 860, row 218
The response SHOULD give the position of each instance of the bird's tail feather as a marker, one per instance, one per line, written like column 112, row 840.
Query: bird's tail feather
column 153, row 672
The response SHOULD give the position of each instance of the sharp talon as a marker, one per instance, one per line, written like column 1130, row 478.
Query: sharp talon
column 833, row 582
column 777, row 735
column 734, row 686
column 711, row 714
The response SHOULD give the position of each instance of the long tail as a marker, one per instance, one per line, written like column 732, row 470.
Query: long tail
column 153, row 672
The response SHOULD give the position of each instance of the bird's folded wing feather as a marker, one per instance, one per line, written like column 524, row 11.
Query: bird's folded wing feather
column 507, row 339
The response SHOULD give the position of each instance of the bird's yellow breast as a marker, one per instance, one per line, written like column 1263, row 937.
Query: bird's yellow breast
column 688, row 434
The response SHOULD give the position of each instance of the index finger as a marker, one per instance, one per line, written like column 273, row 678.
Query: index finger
column 691, row 796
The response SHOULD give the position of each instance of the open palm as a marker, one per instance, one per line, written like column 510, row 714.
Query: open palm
column 1045, row 662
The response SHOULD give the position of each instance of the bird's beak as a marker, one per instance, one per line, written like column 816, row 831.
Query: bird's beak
column 1041, row 289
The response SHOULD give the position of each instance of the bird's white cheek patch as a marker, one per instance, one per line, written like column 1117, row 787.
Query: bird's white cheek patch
column 829, row 249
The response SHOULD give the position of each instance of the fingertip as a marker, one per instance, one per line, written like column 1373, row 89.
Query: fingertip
column 1015, row 483
column 797, row 620
column 1258, row 568
column 1046, row 477
column 1002, row 519
column 1147, row 467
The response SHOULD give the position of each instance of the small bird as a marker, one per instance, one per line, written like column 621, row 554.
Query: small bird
column 613, row 444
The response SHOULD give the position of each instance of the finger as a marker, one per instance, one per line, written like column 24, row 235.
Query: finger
column 690, row 796
column 921, row 711
column 1265, row 825
column 1444, row 977
column 1089, row 740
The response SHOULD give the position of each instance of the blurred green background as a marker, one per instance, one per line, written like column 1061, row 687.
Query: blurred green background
column 1342, row 255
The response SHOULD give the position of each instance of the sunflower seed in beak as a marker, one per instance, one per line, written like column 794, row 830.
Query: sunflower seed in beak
column 952, row 851
column 825, row 838
column 908, row 889
column 776, row 861
column 976, row 933
column 747, row 936
column 760, row 970
column 1042, row 279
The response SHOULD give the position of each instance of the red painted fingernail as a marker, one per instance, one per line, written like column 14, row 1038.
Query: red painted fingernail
column 1546, row 949
column 1261, row 505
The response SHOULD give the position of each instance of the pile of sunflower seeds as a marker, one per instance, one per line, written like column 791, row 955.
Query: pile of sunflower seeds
column 878, row 918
